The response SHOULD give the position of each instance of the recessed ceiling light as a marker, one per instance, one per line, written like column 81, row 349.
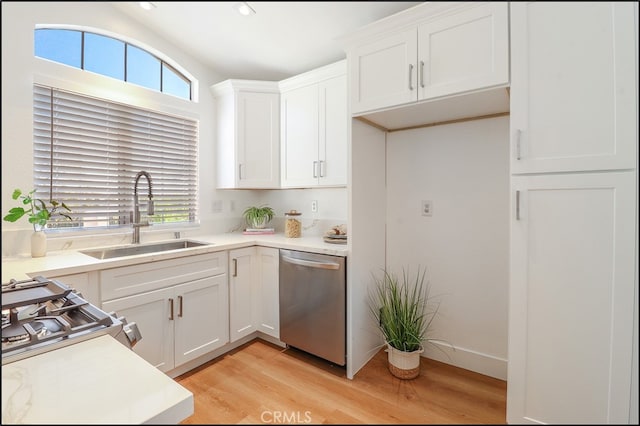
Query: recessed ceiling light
column 244, row 9
column 146, row 5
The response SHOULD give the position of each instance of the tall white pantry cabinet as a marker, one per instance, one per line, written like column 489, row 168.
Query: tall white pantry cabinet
column 574, row 194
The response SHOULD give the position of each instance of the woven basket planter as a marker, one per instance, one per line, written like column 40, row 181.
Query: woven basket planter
column 404, row 365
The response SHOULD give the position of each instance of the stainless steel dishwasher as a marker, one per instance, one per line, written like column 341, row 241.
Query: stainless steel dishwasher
column 313, row 304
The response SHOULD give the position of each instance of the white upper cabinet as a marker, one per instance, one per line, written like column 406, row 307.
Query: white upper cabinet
column 430, row 51
column 314, row 128
column 248, row 134
column 573, row 86
column 464, row 52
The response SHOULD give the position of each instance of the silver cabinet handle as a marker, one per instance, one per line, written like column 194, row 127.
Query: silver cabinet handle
column 422, row 74
column 410, row 74
column 170, row 309
column 311, row 263
column 235, row 267
column 518, row 140
column 239, row 171
column 180, row 306
column 517, row 205
column 321, row 168
column 315, row 169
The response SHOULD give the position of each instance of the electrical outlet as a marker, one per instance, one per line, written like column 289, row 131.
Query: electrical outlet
column 426, row 208
column 314, row 206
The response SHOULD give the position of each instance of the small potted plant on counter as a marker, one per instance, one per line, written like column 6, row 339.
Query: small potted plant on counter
column 258, row 217
column 404, row 313
column 38, row 213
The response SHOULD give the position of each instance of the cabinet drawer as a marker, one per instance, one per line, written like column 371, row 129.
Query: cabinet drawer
column 134, row 279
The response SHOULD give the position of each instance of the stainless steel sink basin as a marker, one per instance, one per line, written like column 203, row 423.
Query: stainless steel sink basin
column 132, row 250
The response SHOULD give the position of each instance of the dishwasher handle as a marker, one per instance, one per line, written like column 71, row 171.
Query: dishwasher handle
column 311, row 263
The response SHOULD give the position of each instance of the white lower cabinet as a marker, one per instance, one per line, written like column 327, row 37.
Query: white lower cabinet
column 572, row 297
column 83, row 283
column 185, row 319
column 268, row 264
column 242, row 309
column 253, row 292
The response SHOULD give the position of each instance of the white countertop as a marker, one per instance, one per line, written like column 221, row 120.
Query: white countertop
column 55, row 388
column 71, row 261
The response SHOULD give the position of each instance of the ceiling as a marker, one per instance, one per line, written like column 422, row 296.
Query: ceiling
column 280, row 40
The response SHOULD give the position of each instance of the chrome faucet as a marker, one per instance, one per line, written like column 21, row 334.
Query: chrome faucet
column 136, row 207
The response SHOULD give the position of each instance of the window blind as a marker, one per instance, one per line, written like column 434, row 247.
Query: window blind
column 87, row 152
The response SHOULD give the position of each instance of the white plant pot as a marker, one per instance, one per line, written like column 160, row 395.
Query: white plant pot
column 38, row 244
column 404, row 365
column 259, row 224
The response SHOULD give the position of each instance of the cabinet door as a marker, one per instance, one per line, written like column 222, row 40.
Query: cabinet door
column 151, row 312
column 332, row 142
column 258, row 140
column 384, row 73
column 268, row 263
column 300, row 137
column 573, row 87
column 242, row 319
column 464, row 52
column 85, row 284
column 200, row 317
column 571, row 298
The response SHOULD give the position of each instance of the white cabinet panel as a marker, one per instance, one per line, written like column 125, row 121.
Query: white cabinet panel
column 314, row 128
column 332, row 143
column 300, row 137
column 254, row 291
column 242, row 298
column 180, row 306
column 384, row 72
column 464, row 52
column 150, row 311
column 573, row 86
column 200, row 317
column 443, row 49
column 247, row 134
column 269, row 291
column 571, row 298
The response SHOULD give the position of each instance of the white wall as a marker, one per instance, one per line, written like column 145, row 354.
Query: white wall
column 20, row 69
column 463, row 169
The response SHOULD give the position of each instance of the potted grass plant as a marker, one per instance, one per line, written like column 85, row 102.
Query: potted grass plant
column 258, row 217
column 404, row 313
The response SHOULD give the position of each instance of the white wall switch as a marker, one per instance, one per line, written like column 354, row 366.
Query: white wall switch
column 426, row 208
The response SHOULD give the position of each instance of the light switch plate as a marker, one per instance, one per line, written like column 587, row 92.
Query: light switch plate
column 426, row 208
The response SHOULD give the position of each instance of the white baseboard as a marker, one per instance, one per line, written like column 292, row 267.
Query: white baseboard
column 488, row 365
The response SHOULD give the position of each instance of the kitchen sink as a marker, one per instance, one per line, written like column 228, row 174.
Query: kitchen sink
column 132, row 250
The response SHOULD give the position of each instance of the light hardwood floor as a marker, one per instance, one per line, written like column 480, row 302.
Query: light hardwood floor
column 262, row 383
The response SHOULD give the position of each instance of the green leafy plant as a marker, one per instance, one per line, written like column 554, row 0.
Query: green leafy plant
column 37, row 210
column 257, row 217
column 403, row 309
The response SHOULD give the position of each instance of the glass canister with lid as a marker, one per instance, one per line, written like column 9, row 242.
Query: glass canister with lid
column 292, row 225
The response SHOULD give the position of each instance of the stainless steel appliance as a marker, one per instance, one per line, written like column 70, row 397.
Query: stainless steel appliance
column 40, row 315
column 313, row 304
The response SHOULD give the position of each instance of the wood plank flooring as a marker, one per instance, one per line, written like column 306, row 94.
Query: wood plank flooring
column 262, row 383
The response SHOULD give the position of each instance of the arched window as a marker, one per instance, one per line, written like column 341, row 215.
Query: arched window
column 111, row 57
